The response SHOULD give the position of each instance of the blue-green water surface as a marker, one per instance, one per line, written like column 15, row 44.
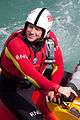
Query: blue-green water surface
column 66, row 24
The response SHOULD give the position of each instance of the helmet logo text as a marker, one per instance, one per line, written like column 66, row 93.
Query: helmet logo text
column 50, row 18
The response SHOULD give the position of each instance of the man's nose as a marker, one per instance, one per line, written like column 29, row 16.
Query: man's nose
column 33, row 30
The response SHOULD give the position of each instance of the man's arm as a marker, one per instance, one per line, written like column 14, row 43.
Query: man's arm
column 26, row 67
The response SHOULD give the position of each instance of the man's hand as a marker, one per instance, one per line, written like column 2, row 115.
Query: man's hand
column 56, row 97
column 66, row 91
column 50, row 96
column 53, row 97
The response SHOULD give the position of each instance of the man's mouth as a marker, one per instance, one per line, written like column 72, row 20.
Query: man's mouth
column 31, row 37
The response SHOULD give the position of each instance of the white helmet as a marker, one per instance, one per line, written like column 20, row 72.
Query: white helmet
column 41, row 17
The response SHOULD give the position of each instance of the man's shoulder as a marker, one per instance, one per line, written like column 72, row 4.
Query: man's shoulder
column 15, row 39
column 15, row 34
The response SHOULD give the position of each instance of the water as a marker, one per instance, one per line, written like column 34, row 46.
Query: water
column 66, row 24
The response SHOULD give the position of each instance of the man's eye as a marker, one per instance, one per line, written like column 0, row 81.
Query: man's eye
column 38, row 29
column 30, row 26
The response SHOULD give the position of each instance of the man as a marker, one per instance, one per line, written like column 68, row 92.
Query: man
column 29, row 52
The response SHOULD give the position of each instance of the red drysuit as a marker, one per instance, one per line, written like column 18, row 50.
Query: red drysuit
column 18, row 59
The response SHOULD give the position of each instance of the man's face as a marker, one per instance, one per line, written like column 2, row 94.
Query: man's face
column 33, row 32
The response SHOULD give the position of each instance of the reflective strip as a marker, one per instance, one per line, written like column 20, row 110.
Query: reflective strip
column 37, row 18
column 55, row 68
column 9, row 56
